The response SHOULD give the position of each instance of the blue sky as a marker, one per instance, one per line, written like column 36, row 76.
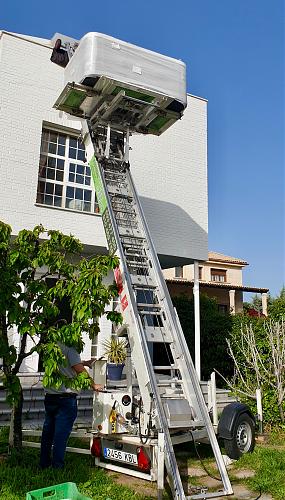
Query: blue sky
column 234, row 51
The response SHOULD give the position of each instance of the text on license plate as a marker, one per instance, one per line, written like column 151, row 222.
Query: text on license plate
column 123, row 456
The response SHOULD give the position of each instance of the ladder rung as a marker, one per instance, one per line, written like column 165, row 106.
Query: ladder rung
column 206, row 496
column 114, row 190
column 146, row 312
column 157, row 334
column 128, row 233
column 121, row 204
column 122, row 223
column 136, row 259
column 131, row 240
column 137, row 265
column 135, row 248
column 149, row 313
column 133, row 252
column 121, row 196
column 143, row 281
column 153, row 306
column 164, row 383
column 127, row 224
column 115, row 173
column 119, row 211
column 111, row 179
column 137, row 245
column 145, row 288
column 168, row 367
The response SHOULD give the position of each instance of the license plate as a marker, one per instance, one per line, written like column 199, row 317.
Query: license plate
column 120, row 455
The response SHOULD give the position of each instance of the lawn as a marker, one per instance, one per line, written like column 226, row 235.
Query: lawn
column 267, row 461
column 269, row 466
column 20, row 474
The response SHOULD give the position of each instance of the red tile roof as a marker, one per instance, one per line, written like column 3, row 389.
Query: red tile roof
column 211, row 284
column 219, row 257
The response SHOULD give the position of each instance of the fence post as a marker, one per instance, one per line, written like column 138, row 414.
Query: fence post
column 259, row 410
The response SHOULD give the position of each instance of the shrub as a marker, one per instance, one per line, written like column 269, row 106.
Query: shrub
column 257, row 347
column 214, row 331
column 276, row 307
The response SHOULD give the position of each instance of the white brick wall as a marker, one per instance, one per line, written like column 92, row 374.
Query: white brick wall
column 170, row 171
column 29, row 86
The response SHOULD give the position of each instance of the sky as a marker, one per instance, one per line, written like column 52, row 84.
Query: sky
column 234, row 51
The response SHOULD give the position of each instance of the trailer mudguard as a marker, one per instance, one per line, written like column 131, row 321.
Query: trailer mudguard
column 228, row 418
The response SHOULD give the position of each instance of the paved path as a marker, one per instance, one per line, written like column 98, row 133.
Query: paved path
column 241, row 492
column 200, row 478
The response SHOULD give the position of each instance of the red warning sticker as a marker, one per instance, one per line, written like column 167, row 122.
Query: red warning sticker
column 124, row 302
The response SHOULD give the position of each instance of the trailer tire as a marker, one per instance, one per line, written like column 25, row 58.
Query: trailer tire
column 243, row 440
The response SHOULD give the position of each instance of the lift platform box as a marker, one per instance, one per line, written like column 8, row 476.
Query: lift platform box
column 130, row 84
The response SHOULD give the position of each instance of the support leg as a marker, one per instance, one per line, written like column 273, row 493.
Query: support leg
column 160, row 465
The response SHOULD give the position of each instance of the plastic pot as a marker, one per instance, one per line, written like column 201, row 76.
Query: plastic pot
column 114, row 371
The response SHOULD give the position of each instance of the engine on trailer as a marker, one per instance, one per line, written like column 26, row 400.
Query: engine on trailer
column 121, row 411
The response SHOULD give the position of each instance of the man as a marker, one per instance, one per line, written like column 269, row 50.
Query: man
column 61, row 411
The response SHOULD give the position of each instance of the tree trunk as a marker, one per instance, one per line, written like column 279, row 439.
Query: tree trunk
column 281, row 412
column 15, row 434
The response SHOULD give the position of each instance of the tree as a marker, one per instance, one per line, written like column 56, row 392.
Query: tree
column 30, row 304
column 257, row 348
column 254, row 308
column 214, row 330
column 276, row 307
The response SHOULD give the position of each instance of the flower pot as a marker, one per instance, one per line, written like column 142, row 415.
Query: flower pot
column 114, row 371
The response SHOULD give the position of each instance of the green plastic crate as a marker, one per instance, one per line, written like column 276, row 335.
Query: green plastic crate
column 64, row 491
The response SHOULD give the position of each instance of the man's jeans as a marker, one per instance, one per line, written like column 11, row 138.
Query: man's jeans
column 59, row 418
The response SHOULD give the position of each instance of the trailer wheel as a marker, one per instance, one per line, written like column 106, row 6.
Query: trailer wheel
column 243, row 440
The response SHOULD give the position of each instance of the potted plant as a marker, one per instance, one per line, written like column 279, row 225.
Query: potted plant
column 116, row 352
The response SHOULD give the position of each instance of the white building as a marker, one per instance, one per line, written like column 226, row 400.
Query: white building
column 55, row 189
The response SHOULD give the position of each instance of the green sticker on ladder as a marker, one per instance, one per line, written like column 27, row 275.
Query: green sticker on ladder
column 110, row 237
column 99, row 188
column 103, row 205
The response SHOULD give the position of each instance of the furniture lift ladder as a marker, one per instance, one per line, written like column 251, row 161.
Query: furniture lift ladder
column 146, row 305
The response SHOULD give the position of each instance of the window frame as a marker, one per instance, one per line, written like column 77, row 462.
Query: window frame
column 179, row 274
column 223, row 308
column 69, row 134
column 216, row 274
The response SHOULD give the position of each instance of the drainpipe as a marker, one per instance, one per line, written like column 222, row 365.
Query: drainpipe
column 196, row 294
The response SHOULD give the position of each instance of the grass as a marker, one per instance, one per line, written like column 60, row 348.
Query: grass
column 267, row 461
column 277, row 437
column 269, row 467
column 20, row 473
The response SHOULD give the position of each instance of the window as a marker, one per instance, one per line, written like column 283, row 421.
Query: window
column 200, row 272
column 219, row 275
column 222, row 308
column 64, row 176
column 178, row 272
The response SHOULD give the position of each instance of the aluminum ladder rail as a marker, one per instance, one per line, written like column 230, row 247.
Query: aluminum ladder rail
column 144, row 294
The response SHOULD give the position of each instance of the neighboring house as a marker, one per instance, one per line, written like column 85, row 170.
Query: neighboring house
column 45, row 179
column 220, row 277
